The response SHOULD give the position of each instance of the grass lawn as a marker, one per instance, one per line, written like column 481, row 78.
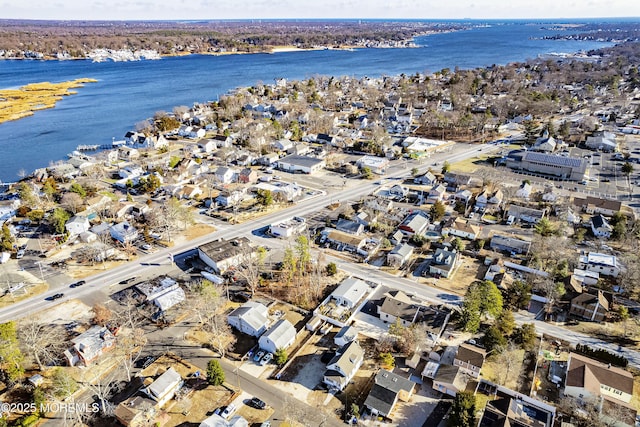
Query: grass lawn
column 496, row 372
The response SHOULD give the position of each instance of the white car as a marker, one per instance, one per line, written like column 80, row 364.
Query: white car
column 228, row 411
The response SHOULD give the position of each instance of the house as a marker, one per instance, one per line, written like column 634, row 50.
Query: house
column 216, row 420
column 137, row 411
column 190, row 192
column 350, row 227
column 400, row 254
column 397, row 237
column 281, row 335
column 455, row 180
column 291, row 227
column 600, row 226
column 426, row 179
column 592, row 307
column 282, row 144
column 398, row 191
column 524, row 191
column 230, row 197
column 208, row 146
column 509, row 244
column 596, row 205
column 461, row 228
column 450, row 380
column 345, row 335
column 350, row 292
column 223, row 141
column 436, row 193
column 489, row 200
column 248, row 176
column 343, row 241
column 398, row 306
column 344, row 365
column 470, row 359
column 268, row 159
column 221, row 254
column 589, row 379
column 164, row 388
column 123, row 232
column 545, row 143
column 508, row 408
column 225, row 175
column 444, row 263
column 604, row 264
column 415, row 223
column 90, row 345
column 387, row 389
column 377, row 165
column 77, row 225
column 128, row 154
column 303, row 164
column 525, row 214
column 251, row 318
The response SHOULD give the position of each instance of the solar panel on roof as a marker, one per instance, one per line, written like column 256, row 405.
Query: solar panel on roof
column 553, row 160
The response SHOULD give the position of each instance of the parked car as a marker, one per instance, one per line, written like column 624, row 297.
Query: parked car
column 266, row 359
column 228, row 411
column 20, row 254
column 259, row 355
column 257, row 403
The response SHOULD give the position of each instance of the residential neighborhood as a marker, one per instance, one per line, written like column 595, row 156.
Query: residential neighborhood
column 264, row 260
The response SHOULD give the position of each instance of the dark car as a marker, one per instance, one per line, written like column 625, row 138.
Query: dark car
column 77, row 284
column 145, row 362
column 257, row 403
column 55, row 296
column 127, row 281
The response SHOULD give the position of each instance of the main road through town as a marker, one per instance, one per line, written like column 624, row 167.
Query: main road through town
column 145, row 264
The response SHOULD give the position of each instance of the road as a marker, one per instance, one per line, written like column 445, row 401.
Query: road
column 146, row 264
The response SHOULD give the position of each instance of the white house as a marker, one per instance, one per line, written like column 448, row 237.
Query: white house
column 281, row 335
column 77, row 225
column 123, row 232
column 251, row 318
column 288, row 228
column 345, row 335
column 304, row 164
column 601, row 227
column 399, row 255
column 344, row 365
column 461, row 228
column 587, row 378
column 377, row 165
column 164, row 387
column 350, row 291
column 604, row 264
column 225, row 175
column 444, row 263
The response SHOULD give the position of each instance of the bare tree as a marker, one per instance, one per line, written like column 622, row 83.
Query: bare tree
column 250, row 265
column 101, row 314
column 43, row 342
column 102, row 388
column 129, row 315
column 72, row 202
column 129, row 346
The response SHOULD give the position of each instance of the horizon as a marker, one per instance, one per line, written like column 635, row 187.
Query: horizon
column 251, row 10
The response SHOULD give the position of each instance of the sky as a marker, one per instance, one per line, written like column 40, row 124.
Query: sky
column 290, row 9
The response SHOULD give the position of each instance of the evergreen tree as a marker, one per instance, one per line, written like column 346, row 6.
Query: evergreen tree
column 463, row 410
column 215, row 373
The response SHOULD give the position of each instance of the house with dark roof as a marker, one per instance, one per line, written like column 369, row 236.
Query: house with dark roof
column 90, row 345
column 601, row 227
column 344, row 365
column 396, row 305
column 588, row 379
column 593, row 307
column 221, row 254
column 348, row 226
column 450, row 380
column 387, row 389
column 443, row 263
column 470, row 359
column 512, row 409
column 598, row 205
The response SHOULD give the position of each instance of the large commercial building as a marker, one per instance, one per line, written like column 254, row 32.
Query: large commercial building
column 569, row 168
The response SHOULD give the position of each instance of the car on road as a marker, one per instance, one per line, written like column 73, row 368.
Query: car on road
column 228, row 411
column 259, row 355
column 257, row 403
column 77, row 284
column 55, row 296
column 266, row 359
column 127, row 281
